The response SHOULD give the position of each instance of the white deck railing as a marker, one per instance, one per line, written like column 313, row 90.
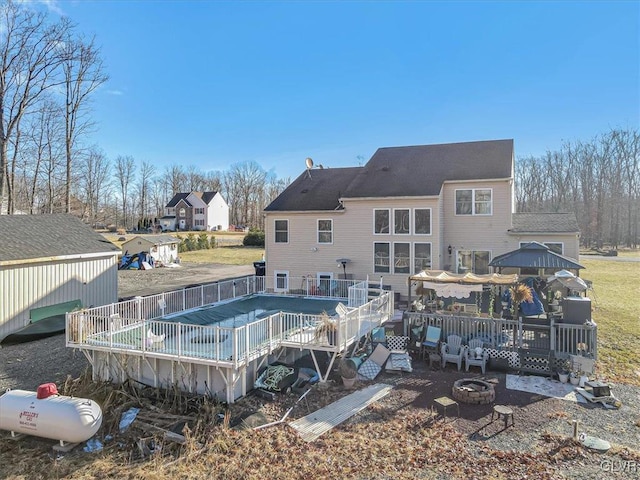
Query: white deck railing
column 137, row 326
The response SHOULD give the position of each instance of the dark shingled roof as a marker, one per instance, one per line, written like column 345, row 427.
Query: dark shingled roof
column 421, row 170
column 206, row 197
column 176, row 198
column 317, row 189
column 544, row 223
column 398, row 172
column 40, row 236
column 534, row 255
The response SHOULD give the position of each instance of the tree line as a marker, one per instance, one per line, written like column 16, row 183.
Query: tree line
column 598, row 180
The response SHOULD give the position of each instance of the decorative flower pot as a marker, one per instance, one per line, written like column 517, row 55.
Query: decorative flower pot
column 348, row 382
column 575, row 380
column 563, row 377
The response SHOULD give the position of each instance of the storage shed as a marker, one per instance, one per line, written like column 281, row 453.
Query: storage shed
column 163, row 248
column 52, row 260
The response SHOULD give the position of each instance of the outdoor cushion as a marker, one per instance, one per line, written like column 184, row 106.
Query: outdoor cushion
column 397, row 343
column 379, row 355
column 399, row 362
column 368, row 370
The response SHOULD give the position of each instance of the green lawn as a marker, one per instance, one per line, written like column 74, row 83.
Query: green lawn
column 238, row 255
column 615, row 302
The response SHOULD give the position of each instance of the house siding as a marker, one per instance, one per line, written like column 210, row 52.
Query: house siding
column 353, row 238
column 218, row 214
column 477, row 232
column 188, row 218
column 571, row 242
column 165, row 253
column 197, row 202
column 94, row 281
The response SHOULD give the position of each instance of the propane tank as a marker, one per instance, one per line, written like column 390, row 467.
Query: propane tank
column 49, row 415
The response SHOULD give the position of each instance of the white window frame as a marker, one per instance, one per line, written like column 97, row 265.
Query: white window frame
column 330, row 231
column 182, row 213
column 415, row 257
column 275, row 230
column 388, row 210
column 375, row 265
column 280, row 274
column 408, row 260
column 408, row 210
column 473, row 202
column 198, row 211
column 473, row 260
column 415, row 224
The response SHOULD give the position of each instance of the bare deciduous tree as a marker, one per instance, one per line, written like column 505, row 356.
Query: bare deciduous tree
column 147, row 171
column 95, row 185
column 124, row 173
column 243, row 182
column 83, row 74
column 29, row 60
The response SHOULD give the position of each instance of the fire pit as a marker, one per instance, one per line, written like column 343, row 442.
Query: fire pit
column 471, row 390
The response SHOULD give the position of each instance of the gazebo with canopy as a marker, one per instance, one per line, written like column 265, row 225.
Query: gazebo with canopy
column 447, row 284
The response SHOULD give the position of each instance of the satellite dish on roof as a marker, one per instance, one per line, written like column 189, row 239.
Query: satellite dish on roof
column 309, row 162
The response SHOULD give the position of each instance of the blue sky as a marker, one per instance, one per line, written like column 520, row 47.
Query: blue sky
column 214, row 83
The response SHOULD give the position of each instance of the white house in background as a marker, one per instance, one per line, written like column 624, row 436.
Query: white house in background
column 49, row 261
column 448, row 206
column 196, row 211
column 163, row 248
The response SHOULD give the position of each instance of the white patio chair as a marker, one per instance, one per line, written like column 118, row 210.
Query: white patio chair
column 476, row 355
column 453, row 351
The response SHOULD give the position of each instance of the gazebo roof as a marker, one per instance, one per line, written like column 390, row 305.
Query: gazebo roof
column 534, row 255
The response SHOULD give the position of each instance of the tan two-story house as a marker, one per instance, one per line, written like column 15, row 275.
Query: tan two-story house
column 448, row 206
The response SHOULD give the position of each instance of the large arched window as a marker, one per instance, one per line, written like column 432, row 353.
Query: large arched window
column 182, row 212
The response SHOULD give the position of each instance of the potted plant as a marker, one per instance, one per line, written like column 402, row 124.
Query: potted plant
column 574, row 377
column 326, row 330
column 563, row 372
column 348, row 371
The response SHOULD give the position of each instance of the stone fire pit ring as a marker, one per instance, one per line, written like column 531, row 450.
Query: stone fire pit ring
column 474, row 391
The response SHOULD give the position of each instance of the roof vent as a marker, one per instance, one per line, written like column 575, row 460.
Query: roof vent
column 304, row 190
column 385, row 169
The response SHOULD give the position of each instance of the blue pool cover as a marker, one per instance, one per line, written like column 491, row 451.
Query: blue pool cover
column 262, row 305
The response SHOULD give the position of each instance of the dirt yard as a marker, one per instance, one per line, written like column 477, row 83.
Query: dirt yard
column 148, row 282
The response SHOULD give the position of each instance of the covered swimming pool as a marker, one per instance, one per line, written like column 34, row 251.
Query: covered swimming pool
column 219, row 348
column 246, row 309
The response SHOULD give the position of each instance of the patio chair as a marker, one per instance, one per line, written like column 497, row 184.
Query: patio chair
column 431, row 340
column 476, row 355
column 453, row 351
